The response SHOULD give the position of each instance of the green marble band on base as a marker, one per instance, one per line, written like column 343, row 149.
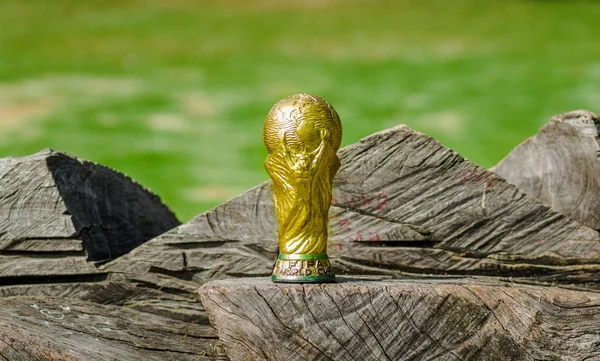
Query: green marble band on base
column 304, row 279
column 302, row 257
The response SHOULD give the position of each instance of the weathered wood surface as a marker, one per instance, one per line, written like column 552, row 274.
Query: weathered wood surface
column 139, row 296
column 407, row 319
column 560, row 166
column 403, row 203
column 33, row 329
column 59, row 216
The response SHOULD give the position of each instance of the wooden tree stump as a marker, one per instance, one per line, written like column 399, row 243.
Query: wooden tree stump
column 560, row 166
column 405, row 319
column 60, row 216
column 36, row 329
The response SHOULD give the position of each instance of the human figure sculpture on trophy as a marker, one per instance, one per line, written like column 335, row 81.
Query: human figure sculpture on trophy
column 302, row 134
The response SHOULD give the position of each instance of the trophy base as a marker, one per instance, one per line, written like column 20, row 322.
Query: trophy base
column 303, row 268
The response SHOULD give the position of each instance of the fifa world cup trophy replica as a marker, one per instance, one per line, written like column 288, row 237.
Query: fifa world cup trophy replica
column 302, row 134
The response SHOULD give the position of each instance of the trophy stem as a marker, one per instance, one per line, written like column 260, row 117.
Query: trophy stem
column 303, row 268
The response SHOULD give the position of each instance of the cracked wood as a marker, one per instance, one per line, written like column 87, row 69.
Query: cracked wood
column 416, row 319
column 73, row 330
column 403, row 204
column 560, row 166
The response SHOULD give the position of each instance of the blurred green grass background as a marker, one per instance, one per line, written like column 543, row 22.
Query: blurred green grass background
column 173, row 93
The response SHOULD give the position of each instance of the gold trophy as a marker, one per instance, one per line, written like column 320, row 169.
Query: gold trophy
column 302, row 134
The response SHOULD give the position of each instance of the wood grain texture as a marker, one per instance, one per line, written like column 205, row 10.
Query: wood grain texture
column 560, row 166
column 404, row 319
column 403, row 204
column 138, row 296
column 33, row 329
column 60, row 216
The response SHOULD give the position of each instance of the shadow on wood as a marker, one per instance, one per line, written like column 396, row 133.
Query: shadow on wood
column 59, row 216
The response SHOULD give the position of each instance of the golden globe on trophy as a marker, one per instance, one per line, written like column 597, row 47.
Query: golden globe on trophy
column 302, row 134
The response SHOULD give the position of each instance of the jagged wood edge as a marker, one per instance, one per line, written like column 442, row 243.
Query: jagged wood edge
column 560, row 166
column 47, row 205
column 443, row 215
column 58, row 212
